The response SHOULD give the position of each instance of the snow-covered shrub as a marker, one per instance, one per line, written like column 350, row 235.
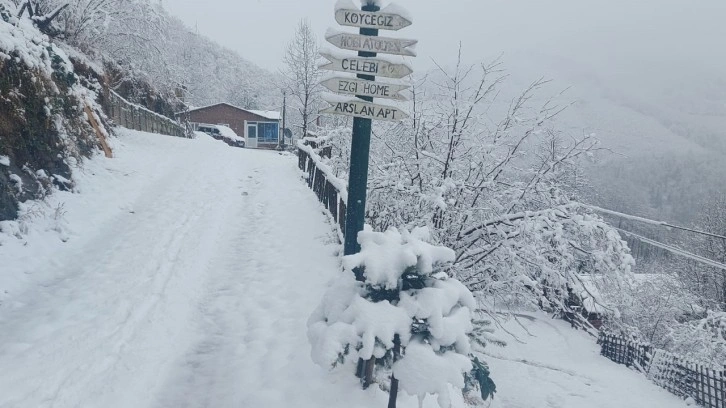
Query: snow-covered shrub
column 406, row 313
column 500, row 191
column 701, row 340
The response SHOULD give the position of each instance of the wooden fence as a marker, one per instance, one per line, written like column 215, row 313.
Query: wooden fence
column 132, row 116
column 324, row 184
column 682, row 377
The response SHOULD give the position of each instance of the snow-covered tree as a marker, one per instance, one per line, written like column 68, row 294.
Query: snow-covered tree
column 405, row 315
column 502, row 193
column 149, row 55
column 302, row 75
column 701, row 340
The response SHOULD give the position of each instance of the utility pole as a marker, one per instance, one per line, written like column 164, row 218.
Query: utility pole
column 284, row 111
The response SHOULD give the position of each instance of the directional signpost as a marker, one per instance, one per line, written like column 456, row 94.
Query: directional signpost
column 367, row 19
column 384, row 45
column 367, row 110
column 354, row 86
column 363, row 89
column 366, row 66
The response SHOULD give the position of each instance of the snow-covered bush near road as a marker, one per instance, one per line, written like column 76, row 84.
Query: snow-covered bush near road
column 702, row 340
column 408, row 314
column 502, row 192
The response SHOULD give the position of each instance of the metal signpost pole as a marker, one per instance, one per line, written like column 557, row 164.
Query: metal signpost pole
column 359, row 155
column 358, row 184
column 362, row 90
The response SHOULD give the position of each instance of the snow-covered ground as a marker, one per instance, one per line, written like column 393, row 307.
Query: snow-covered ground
column 183, row 274
column 546, row 364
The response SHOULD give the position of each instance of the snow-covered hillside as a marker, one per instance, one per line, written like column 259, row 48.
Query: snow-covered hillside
column 547, row 364
column 182, row 275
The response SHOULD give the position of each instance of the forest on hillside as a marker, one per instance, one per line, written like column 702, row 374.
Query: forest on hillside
column 60, row 57
column 138, row 42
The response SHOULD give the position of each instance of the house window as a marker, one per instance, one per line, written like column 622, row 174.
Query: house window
column 268, row 132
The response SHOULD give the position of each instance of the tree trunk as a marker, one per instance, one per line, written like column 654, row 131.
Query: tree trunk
column 393, row 395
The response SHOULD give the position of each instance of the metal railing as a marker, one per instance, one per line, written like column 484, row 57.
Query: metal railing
column 682, row 377
column 132, row 116
column 329, row 189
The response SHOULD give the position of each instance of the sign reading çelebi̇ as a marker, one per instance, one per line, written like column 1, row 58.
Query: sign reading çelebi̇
column 364, row 88
column 366, row 66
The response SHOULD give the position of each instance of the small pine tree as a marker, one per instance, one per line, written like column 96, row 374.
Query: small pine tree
column 408, row 317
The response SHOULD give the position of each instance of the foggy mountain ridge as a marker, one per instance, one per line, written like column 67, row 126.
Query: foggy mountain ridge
column 631, row 117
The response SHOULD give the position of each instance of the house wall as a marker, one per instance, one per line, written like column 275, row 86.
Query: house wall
column 225, row 115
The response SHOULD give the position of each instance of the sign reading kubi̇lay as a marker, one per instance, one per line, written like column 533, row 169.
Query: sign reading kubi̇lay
column 367, row 66
column 367, row 110
column 354, row 86
column 382, row 45
column 368, row 19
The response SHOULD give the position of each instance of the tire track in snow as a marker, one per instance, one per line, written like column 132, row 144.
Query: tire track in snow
column 114, row 293
column 252, row 324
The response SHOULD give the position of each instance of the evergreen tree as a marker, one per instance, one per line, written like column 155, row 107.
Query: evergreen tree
column 409, row 319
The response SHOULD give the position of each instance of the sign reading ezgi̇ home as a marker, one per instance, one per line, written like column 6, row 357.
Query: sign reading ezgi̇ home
column 353, row 86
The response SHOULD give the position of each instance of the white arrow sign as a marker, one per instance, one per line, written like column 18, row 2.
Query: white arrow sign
column 361, row 87
column 367, row 66
column 383, row 45
column 367, row 19
column 367, row 110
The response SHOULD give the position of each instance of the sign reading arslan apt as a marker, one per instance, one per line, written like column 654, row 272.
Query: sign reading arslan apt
column 351, row 86
column 367, row 19
column 366, row 110
column 383, row 45
column 367, row 66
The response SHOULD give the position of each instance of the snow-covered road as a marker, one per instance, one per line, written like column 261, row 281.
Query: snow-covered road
column 183, row 275
column 186, row 281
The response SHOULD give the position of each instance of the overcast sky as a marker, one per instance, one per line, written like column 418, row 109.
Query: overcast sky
column 623, row 32
column 640, row 65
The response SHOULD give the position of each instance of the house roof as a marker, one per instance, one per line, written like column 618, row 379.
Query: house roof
column 271, row 115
